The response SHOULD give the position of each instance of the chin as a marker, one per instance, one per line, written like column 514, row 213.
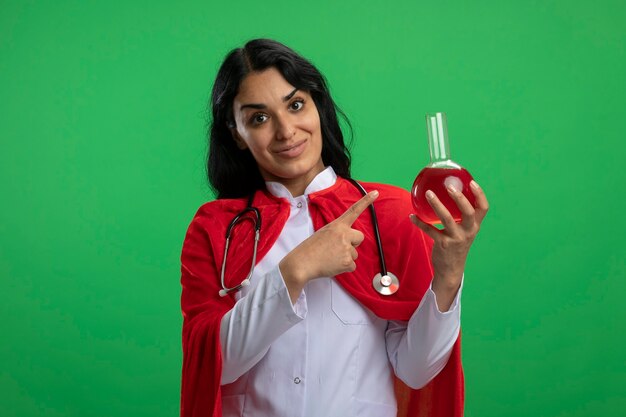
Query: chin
column 298, row 170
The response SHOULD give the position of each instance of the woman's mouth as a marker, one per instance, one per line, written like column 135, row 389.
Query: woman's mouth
column 292, row 151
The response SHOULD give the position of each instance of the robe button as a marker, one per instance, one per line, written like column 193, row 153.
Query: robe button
column 299, row 205
column 297, row 380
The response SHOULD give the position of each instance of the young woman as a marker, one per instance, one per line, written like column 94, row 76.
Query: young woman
column 293, row 325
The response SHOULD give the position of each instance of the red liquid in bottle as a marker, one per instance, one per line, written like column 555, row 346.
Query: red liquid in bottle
column 436, row 180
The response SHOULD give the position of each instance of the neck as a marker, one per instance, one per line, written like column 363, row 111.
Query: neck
column 298, row 184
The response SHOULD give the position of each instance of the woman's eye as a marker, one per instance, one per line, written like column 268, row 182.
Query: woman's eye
column 258, row 119
column 297, row 105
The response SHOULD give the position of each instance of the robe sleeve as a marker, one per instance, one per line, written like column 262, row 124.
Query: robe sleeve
column 201, row 305
column 408, row 252
column 202, row 310
column 444, row 395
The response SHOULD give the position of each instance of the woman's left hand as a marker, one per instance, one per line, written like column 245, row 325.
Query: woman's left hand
column 452, row 244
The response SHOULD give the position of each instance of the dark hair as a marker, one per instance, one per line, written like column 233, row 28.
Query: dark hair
column 233, row 172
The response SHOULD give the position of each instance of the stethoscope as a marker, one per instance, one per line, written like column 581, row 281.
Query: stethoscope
column 384, row 282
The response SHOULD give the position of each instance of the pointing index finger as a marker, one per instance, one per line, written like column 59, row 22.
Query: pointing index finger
column 357, row 208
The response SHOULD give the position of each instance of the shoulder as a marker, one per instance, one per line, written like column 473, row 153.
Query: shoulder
column 388, row 190
column 393, row 207
column 211, row 216
column 219, row 208
column 390, row 197
column 215, row 216
column 205, row 234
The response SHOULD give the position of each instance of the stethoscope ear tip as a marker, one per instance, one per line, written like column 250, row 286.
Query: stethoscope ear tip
column 244, row 283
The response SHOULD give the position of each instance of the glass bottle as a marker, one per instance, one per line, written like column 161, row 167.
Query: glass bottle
column 439, row 174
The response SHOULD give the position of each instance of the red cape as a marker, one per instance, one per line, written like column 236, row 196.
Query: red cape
column 407, row 254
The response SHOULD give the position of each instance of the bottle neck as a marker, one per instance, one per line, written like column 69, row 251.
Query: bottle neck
column 438, row 141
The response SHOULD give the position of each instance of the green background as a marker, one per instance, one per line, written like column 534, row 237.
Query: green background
column 102, row 123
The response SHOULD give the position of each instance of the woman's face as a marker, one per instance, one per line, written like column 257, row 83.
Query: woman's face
column 280, row 126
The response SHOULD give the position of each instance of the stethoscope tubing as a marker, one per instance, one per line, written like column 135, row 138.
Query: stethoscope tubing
column 257, row 233
column 384, row 282
column 379, row 243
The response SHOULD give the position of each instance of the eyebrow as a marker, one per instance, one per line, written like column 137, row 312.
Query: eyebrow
column 263, row 106
column 288, row 96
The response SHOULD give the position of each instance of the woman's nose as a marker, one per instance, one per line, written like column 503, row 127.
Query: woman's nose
column 284, row 129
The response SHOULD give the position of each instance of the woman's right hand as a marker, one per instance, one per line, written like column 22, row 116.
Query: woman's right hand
column 328, row 252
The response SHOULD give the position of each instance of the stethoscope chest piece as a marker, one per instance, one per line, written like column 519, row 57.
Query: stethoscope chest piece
column 386, row 284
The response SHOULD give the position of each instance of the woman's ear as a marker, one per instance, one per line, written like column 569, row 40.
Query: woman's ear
column 241, row 144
